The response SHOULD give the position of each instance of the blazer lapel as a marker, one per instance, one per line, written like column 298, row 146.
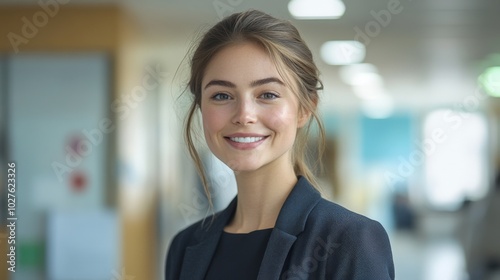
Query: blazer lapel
column 197, row 258
column 277, row 250
column 290, row 223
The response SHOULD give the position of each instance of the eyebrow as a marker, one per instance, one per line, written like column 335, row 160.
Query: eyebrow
column 252, row 84
column 266, row 81
column 220, row 83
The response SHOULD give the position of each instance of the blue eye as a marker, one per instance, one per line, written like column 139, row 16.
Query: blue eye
column 221, row 96
column 269, row 95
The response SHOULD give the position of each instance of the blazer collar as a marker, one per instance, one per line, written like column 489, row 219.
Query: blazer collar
column 299, row 203
column 291, row 222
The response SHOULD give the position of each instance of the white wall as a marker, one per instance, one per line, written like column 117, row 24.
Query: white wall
column 54, row 98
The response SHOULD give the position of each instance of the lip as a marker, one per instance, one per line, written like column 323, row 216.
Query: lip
column 246, row 135
column 245, row 146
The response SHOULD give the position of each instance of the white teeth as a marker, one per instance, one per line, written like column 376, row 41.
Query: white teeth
column 246, row 139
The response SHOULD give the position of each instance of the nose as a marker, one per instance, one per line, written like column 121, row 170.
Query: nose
column 245, row 112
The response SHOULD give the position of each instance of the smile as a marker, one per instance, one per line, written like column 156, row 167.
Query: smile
column 246, row 139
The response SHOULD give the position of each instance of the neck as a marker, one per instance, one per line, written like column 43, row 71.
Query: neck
column 261, row 195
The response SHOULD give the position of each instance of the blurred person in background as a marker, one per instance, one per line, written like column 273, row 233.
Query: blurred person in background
column 482, row 235
column 255, row 83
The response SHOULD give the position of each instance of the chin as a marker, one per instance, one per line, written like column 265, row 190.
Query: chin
column 239, row 166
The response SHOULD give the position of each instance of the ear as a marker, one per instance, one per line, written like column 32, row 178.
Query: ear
column 304, row 116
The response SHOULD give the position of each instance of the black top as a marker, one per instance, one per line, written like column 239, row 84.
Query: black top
column 312, row 238
column 239, row 255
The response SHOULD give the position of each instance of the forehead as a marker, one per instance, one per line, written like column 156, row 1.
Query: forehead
column 240, row 63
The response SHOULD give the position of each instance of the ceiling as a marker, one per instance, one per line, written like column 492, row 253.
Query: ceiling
column 429, row 54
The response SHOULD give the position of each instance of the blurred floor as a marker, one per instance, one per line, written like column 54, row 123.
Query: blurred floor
column 433, row 252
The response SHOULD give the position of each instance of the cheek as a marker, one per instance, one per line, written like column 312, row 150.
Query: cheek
column 283, row 119
column 213, row 119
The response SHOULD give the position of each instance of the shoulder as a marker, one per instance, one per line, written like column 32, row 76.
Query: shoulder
column 180, row 241
column 346, row 244
column 184, row 237
column 187, row 237
column 350, row 228
column 360, row 245
column 332, row 216
column 204, row 227
column 194, row 232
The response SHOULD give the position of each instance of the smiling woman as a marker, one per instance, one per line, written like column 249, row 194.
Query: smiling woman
column 255, row 82
column 251, row 117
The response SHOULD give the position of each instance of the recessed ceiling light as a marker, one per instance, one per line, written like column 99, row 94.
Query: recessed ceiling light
column 342, row 52
column 362, row 74
column 316, row 9
column 370, row 92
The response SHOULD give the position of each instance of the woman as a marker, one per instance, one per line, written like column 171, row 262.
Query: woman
column 256, row 85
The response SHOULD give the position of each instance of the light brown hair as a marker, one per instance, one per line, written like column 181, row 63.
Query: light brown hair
column 293, row 60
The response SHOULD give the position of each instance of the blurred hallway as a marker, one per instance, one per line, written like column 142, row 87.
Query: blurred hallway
column 93, row 102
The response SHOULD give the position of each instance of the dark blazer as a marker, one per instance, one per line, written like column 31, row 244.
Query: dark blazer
column 312, row 239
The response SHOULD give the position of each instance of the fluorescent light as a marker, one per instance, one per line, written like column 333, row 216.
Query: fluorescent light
column 379, row 108
column 368, row 85
column 365, row 79
column 343, row 52
column 490, row 81
column 316, row 9
column 368, row 92
column 362, row 74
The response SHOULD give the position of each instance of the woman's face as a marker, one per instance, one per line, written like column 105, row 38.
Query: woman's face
column 250, row 117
